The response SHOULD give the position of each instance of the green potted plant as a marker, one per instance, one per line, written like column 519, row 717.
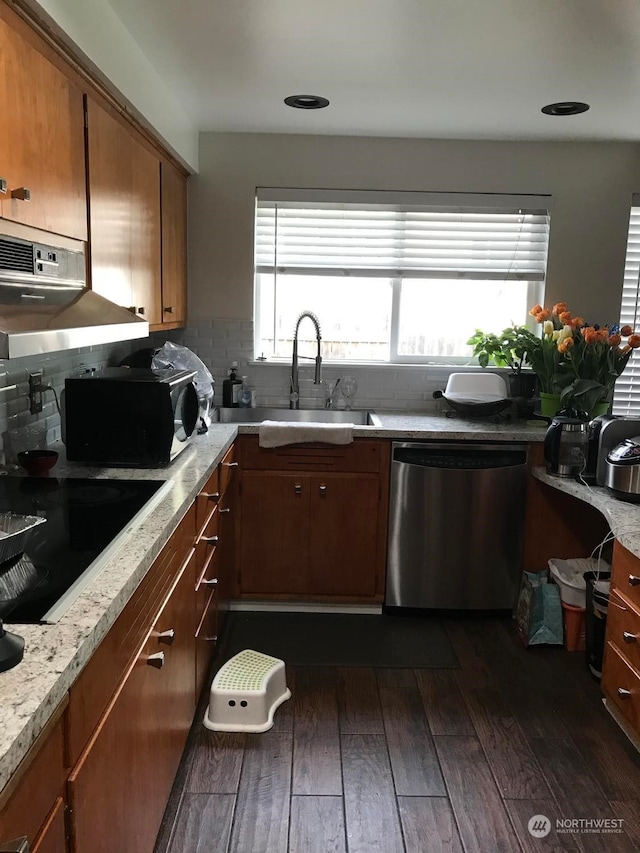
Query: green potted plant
column 510, row 348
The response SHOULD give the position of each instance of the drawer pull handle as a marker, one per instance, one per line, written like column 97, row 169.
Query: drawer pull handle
column 211, row 582
column 167, row 636
column 210, row 540
column 623, row 693
column 211, row 639
column 22, row 193
column 298, row 488
column 634, row 580
column 323, row 491
column 211, row 496
column 231, row 464
column 228, row 509
column 156, row 660
column 628, row 637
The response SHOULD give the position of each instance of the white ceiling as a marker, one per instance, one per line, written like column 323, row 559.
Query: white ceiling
column 469, row 69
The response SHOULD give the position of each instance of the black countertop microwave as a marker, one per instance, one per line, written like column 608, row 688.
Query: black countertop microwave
column 129, row 417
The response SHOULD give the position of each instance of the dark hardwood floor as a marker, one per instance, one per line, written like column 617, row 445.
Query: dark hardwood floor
column 416, row 761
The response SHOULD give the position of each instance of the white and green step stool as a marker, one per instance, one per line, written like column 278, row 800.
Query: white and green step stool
column 245, row 693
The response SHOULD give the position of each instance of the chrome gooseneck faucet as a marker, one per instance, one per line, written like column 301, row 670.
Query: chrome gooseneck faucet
column 294, row 391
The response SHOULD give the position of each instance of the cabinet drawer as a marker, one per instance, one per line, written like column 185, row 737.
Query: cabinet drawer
column 206, row 639
column 621, row 684
column 227, row 468
column 363, row 456
column 207, row 499
column 623, row 628
column 207, row 582
column 625, row 574
column 208, row 538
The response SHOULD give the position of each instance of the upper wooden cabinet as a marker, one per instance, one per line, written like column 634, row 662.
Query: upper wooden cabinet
column 124, row 215
column 41, row 139
column 173, row 192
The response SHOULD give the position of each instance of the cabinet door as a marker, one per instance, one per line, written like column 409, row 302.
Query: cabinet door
column 227, row 570
column 124, row 215
column 52, row 839
column 275, row 533
column 119, row 788
column 42, row 140
column 343, row 535
column 173, row 191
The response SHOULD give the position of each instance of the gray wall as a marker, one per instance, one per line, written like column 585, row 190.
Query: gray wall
column 591, row 185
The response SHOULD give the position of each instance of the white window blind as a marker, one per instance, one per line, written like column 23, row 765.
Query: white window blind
column 475, row 241
column 626, row 399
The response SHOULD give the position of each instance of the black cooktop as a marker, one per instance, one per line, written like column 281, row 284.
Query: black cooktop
column 83, row 518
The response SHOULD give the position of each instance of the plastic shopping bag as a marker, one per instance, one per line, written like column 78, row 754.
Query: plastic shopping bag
column 539, row 613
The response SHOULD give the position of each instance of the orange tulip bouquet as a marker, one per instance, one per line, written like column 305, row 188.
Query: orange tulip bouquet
column 579, row 361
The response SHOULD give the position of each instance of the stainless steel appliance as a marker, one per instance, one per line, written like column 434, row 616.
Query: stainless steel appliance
column 623, row 469
column 127, row 416
column 45, row 305
column 566, row 446
column 612, row 430
column 87, row 520
column 455, row 525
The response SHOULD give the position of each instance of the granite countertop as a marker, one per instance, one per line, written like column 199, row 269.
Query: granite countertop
column 56, row 654
column 623, row 517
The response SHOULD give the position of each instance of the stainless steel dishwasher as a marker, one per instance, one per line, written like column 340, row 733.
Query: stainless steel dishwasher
column 455, row 525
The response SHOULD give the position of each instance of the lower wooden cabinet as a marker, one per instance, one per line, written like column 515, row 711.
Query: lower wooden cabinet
column 119, row 788
column 53, row 839
column 314, row 534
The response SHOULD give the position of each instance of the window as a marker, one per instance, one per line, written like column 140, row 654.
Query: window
column 626, row 398
column 394, row 277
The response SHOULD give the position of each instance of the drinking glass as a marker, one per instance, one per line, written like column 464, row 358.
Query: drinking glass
column 349, row 386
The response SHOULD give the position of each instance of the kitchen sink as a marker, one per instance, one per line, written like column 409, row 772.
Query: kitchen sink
column 359, row 417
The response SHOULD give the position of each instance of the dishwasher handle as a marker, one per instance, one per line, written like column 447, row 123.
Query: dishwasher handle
column 465, row 459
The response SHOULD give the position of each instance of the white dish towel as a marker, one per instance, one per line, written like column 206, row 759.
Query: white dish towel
column 279, row 433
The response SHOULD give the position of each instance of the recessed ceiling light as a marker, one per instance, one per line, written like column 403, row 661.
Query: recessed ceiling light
column 306, row 102
column 565, row 108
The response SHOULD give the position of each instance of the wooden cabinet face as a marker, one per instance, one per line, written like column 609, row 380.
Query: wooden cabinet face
column 41, row 139
column 134, row 753
column 275, row 533
column 342, row 535
column 52, row 839
column 124, row 216
column 173, row 190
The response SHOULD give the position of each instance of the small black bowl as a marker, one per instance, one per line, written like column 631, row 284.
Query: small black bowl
column 38, row 463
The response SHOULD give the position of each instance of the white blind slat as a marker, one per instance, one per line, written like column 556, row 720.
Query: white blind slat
column 626, row 399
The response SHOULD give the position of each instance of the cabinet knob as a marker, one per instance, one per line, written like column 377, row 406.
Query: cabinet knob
column 132, row 308
column 210, row 540
column 634, row 580
column 226, row 509
column 167, row 636
column 168, row 309
column 141, row 309
column 3, row 186
column 628, row 637
column 623, row 693
column 21, row 193
column 211, row 582
column 230, row 464
column 298, row 488
column 18, row 845
column 211, row 496
column 156, row 660
column 323, row 490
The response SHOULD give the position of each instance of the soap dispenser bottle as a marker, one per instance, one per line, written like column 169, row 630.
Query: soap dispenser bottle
column 245, row 394
column 231, row 388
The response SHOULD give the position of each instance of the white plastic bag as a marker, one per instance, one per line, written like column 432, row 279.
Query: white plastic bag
column 182, row 358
